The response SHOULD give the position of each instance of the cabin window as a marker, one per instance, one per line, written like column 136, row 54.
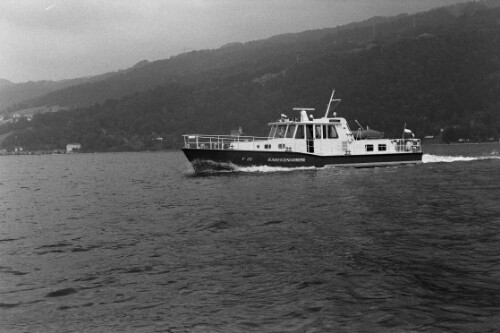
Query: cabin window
column 267, row 146
column 280, row 132
column 290, row 131
column 332, row 132
column 369, row 147
column 309, row 132
column 317, row 131
column 300, row 132
column 382, row 147
column 273, row 131
column 281, row 146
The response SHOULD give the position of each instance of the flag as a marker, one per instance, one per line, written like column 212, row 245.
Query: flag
column 409, row 132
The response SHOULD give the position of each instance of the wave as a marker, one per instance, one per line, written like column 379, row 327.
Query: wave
column 427, row 158
column 211, row 167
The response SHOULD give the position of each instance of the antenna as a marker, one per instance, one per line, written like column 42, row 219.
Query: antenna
column 359, row 124
column 330, row 103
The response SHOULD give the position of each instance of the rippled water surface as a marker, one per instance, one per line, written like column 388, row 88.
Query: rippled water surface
column 134, row 242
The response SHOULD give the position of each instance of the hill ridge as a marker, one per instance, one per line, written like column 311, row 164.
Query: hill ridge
column 190, row 66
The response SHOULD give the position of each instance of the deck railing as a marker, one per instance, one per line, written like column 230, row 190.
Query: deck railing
column 222, row 142
column 408, row 145
column 227, row 142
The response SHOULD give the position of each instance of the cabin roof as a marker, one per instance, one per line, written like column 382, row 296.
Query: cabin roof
column 336, row 120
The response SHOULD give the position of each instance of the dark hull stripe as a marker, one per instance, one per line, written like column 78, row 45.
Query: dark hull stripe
column 208, row 159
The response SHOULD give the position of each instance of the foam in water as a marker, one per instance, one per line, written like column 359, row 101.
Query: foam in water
column 426, row 158
column 265, row 168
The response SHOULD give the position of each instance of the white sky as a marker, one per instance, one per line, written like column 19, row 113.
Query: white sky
column 60, row 39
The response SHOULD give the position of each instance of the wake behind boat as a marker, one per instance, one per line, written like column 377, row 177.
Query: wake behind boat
column 302, row 142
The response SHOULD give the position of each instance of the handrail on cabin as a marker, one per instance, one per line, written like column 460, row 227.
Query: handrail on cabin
column 201, row 141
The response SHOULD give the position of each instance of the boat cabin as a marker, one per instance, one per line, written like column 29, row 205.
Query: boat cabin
column 306, row 134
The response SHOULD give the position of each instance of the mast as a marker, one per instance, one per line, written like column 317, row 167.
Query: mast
column 330, row 103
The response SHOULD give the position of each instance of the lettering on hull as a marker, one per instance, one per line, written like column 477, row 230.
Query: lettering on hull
column 287, row 160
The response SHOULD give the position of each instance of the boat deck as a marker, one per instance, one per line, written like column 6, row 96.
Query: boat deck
column 221, row 142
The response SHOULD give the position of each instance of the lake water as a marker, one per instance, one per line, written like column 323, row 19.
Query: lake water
column 135, row 242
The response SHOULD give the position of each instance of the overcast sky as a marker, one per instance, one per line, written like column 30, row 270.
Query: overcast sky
column 59, row 39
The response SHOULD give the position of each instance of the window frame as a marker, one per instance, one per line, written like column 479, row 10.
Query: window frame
column 272, row 133
column 318, row 135
column 301, row 131
column 332, row 132
column 282, row 128
column 290, row 131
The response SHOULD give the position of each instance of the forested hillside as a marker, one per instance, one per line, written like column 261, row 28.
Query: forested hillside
column 16, row 96
column 434, row 70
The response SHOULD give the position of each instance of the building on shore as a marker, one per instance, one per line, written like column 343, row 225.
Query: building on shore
column 73, row 148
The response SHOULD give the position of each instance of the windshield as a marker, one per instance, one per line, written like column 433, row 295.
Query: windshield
column 273, row 131
column 290, row 131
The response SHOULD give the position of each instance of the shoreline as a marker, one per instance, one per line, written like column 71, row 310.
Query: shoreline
column 63, row 152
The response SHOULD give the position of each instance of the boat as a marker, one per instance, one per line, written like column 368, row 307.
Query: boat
column 303, row 142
